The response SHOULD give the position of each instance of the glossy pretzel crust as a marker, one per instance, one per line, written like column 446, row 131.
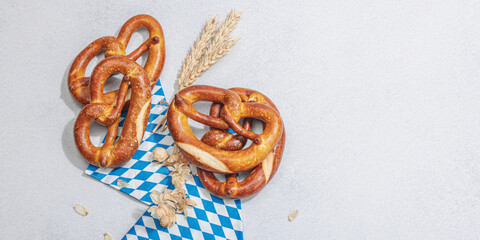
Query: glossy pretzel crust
column 115, row 153
column 258, row 178
column 234, row 109
column 79, row 84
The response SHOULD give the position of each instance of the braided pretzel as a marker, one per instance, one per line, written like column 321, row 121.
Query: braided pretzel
column 211, row 158
column 114, row 154
column 260, row 175
column 78, row 83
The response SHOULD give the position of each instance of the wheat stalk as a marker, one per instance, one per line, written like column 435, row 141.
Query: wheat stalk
column 212, row 44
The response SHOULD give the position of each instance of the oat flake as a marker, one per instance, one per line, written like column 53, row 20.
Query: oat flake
column 81, row 210
column 292, row 215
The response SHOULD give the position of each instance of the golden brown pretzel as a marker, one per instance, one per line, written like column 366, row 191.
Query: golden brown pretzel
column 115, row 153
column 79, row 84
column 259, row 176
column 234, row 109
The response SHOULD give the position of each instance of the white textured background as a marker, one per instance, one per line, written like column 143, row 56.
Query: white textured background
column 381, row 103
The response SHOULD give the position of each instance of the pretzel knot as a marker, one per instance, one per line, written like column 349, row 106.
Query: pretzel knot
column 79, row 84
column 222, row 152
column 115, row 153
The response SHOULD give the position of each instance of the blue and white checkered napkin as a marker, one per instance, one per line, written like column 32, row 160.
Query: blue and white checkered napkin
column 212, row 218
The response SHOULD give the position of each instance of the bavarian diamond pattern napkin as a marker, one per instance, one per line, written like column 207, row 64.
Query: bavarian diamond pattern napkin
column 212, row 218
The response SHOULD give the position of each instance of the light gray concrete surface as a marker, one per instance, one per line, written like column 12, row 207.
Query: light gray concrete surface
column 381, row 102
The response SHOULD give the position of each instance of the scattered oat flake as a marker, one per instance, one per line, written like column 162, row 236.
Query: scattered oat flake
column 81, row 210
column 108, row 236
column 292, row 215
column 122, row 183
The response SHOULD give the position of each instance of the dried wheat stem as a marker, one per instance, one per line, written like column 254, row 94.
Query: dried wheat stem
column 164, row 125
column 161, row 123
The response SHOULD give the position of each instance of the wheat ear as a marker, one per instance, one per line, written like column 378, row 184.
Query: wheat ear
column 212, row 44
column 217, row 48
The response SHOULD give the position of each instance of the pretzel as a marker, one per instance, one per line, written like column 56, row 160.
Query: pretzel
column 114, row 153
column 260, row 175
column 79, row 84
column 234, row 108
